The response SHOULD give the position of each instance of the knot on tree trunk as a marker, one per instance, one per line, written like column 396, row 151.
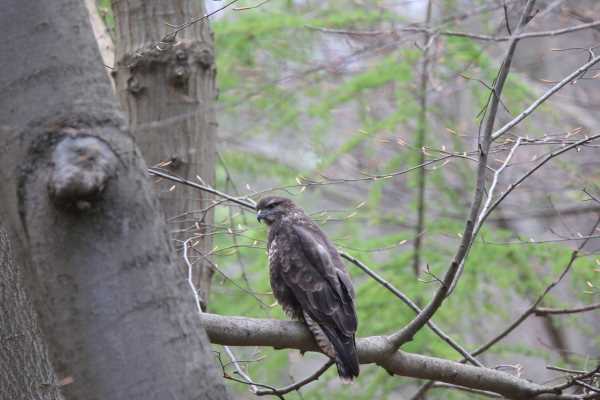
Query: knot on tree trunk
column 178, row 59
column 82, row 166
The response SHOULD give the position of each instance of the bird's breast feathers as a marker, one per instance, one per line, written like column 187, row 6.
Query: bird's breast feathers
column 272, row 250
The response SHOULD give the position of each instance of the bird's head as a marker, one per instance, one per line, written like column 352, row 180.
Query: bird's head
column 272, row 208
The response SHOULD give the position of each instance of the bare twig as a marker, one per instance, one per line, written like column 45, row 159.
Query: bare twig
column 571, row 380
column 242, row 201
column 295, row 386
column 470, row 35
column 239, row 369
column 533, row 307
column 541, row 311
column 568, row 79
column 197, row 298
column 170, row 37
column 490, row 195
column 406, row 300
column 541, row 163
column 569, row 371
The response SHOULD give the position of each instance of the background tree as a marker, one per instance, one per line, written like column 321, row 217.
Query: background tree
column 118, row 317
column 168, row 91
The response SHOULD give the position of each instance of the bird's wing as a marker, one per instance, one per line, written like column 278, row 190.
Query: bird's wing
column 323, row 290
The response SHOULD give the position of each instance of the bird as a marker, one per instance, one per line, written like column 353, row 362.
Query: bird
column 310, row 282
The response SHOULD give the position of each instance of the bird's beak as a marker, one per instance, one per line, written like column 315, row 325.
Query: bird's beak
column 260, row 215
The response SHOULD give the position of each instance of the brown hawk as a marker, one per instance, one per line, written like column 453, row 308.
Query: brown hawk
column 310, row 281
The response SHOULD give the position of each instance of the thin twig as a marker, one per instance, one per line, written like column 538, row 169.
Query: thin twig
column 490, row 195
column 541, row 311
column 550, row 156
column 470, row 35
column 295, row 386
column 239, row 369
column 197, row 298
column 532, row 308
column 242, row 201
column 406, row 300
column 169, row 38
column 568, row 79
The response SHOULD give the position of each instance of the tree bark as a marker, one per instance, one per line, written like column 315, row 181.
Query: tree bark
column 25, row 369
column 119, row 318
column 169, row 93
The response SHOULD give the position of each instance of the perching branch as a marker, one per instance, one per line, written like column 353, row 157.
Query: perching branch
column 241, row 331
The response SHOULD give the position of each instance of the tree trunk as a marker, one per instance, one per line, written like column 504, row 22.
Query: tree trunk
column 119, row 318
column 25, row 369
column 169, row 94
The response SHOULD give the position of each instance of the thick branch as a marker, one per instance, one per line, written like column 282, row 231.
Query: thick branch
column 241, row 331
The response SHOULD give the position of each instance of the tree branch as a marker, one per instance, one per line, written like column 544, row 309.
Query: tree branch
column 241, row 331
column 541, row 311
column 407, row 333
column 533, row 307
column 406, row 300
column 568, row 79
column 295, row 386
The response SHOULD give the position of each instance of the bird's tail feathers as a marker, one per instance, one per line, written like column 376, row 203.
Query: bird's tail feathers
column 346, row 357
column 343, row 351
column 346, row 360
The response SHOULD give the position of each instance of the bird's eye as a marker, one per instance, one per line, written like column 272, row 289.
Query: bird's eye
column 271, row 205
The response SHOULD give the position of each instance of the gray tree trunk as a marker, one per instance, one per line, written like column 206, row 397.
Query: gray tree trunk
column 25, row 369
column 118, row 317
column 169, row 94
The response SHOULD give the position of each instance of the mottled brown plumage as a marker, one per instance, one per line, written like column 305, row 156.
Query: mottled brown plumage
column 310, row 281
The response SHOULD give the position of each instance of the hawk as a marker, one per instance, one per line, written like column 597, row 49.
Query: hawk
column 310, row 281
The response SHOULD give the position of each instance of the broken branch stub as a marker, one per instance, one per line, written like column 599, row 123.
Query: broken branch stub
column 82, row 166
